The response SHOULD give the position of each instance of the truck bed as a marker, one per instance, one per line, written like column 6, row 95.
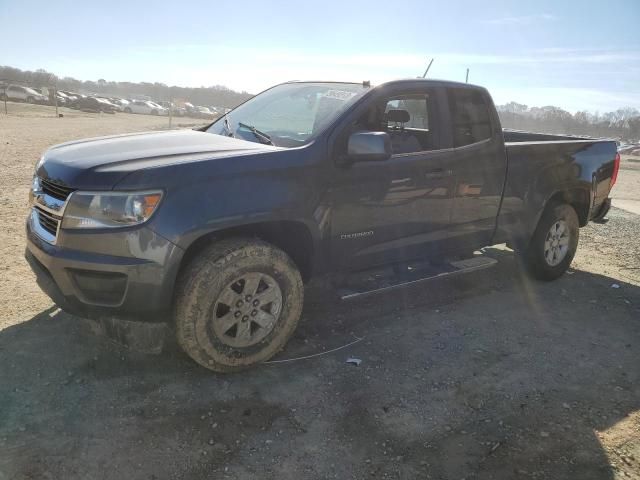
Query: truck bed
column 520, row 136
column 540, row 165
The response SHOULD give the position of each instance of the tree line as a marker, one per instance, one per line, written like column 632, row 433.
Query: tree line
column 623, row 124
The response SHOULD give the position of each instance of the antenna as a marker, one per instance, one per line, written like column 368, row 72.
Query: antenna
column 424, row 75
column 467, row 79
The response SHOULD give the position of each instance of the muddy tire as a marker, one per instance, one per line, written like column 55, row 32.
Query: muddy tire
column 554, row 243
column 237, row 304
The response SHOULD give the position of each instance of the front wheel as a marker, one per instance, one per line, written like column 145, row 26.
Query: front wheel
column 31, row 100
column 554, row 242
column 237, row 304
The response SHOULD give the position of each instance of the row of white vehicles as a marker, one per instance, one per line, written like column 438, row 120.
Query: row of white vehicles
column 96, row 103
column 145, row 107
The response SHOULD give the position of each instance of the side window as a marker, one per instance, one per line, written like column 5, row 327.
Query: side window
column 415, row 105
column 470, row 119
column 405, row 118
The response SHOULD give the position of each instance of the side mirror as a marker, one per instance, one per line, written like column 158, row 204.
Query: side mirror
column 369, row 147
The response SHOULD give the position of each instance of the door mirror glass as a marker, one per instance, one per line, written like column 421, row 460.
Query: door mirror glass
column 369, row 147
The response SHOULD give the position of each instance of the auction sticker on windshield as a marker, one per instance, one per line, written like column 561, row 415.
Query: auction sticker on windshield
column 339, row 94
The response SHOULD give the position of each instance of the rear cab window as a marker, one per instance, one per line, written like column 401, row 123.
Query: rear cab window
column 470, row 116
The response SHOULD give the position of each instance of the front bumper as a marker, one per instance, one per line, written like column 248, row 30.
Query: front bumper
column 127, row 274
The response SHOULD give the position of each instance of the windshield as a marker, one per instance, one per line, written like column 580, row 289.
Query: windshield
column 290, row 114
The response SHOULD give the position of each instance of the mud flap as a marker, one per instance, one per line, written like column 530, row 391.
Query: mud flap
column 143, row 337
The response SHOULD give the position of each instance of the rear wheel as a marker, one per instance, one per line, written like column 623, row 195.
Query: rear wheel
column 554, row 242
column 31, row 100
column 237, row 304
column 154, row 112
column 127, row 110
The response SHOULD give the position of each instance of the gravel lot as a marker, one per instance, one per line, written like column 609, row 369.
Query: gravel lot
column 490, row 375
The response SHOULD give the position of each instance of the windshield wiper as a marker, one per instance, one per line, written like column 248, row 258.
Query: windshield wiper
column 226, row 125
column 259, row 135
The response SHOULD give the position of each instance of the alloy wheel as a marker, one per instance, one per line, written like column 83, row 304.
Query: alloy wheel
column 247, row 310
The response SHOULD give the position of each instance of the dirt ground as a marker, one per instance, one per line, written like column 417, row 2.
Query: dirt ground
column 486, row 376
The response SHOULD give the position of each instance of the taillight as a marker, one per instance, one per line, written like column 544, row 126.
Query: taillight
column 616, row 167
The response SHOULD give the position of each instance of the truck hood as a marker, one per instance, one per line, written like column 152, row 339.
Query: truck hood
column 99, row 163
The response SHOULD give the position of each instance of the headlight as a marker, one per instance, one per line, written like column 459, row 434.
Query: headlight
column 109, row 209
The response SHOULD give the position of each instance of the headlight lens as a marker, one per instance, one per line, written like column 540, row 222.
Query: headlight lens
column 109, row 209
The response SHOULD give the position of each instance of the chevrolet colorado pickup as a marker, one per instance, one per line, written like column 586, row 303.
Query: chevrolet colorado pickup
column 215, row 231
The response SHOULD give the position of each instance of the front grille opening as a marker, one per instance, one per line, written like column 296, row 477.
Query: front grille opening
column 48, row 222
column 55, row 190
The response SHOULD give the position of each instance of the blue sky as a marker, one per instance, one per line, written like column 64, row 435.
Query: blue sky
column 576, row 55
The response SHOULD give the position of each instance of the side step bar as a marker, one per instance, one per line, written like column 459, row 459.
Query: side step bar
column 415, row 276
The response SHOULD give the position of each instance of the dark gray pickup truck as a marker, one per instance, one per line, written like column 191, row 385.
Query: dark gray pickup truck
column 215, row 231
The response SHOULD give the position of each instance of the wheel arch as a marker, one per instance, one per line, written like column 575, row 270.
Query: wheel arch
column 577, row 197
column 291, row 236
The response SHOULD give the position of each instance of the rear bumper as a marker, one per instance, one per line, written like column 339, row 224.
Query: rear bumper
column 598, row 217
column 126, row 274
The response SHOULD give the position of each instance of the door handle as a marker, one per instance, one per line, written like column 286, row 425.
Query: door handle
column 438, row 173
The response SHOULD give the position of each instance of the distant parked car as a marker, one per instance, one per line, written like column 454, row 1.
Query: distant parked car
column 74, row 98
column 120, row 103
column 625, row 148
column 63, row 95
column 204, row 112
column 72, row 95
column 22, row 94
column 107, row 101
column 146, row 107
column 54, row 97
column 62, row 99
column 175, row 109
column 95, row 105
column 190, row 109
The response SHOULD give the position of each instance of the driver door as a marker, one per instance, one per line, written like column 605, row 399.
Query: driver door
column 398, row 209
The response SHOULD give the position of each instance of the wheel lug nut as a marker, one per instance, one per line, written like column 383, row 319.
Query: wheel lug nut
column 254, row 313
column 239, row 303
column 245, row 318
column 256, row 303
column 237, row 314
column 247, row 297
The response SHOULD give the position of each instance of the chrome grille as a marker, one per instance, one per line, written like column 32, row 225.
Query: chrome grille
column 55, row 190
column 48, row 200
column 47, row 221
